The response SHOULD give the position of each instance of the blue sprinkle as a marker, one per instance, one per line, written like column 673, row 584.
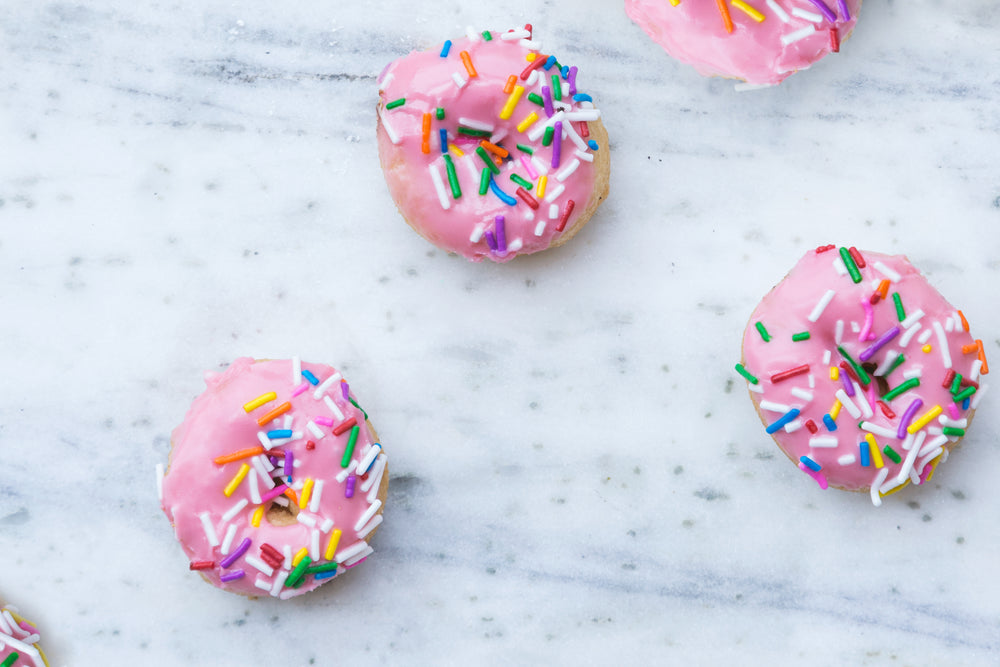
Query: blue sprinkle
column 966, row 403
column 444, row 140
column 582, row 97
column 782, row 420
column 446, row 48
column 812, row 465
column 549, row 63
column 504, row 197
column 863, row 450
column 309, row 376
column 831, row 425
column 320, row 576
column 593, row 145
column 565, row 71
column 279, row 433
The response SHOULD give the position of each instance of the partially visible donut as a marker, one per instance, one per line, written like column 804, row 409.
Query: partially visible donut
column 861, row 371
column 276, row 478
column 760, row 41
column 489, row 148
column 19, row 640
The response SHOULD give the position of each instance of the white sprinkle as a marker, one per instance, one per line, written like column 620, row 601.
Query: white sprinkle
column 279, row 583
column 439, row 186
column 317, row 492
column 395, row 139
column 333, row 408
column 372, row 525
column 538, row 129
column 382, row 86
column 159, row 481
column 775, row 407
column 472, row 34
column 346, row 472
column 943, row 345
column 828, row 441
column 326, row 525
column 924, row 460
column 359, row 557
column 913, row 373
column 821, row 305
column 281, row 500
column 793, row 426
column 889, row 485
column 776, row 8
column 287, row 422
column 353, row 550
column 515, row 245
column 887, row 272
column 757, row 389
column 912, row 318
column 574, row 137
column 306, row 519
column 5, row 625
column 977, row 367
column 846, row 459
column 862, row 401
column 587, row 115
column 315, row 430
column 855, row 327
column 812, row 381
column 22, row 647
column 553, row 211
column 474, row 172
column 826, row 357
column 534, row 45
column 949, row 325
column 539, row 166
column 583, row 155
column 532, row 78
column 838, row 334
column 515, row 34
column 254, row 487
column 798, row 35
column 802, row 393
column 264, row 441
column 314, row 546
column 227, row 541
column 911, row 456
column 476, row 124
column 296, row 362
column 838, row 266
column 878, row 430
column 321, row 389
column 554, row 194
column 459, row 80
column 908, row 335
column 206, row 523
column 540, row 227
column 848, row 404
column 978, row 396
column 262, row 583
column 369, row 458
column 287, row 551
column 937, row 442
column 925, row 336
column 289, row 593
column 376, row 471
column 477, row 233
column 255, row 562
column 876, row 483
column 568, row 171
column 235, row 509
column 369, row 513
column 808, row 16
column 953, row 423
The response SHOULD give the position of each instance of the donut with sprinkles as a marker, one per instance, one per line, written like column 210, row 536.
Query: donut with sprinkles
column 276, row 478
column 490, row 147
column 864, row 375
column 761, row 42
column 19, row 641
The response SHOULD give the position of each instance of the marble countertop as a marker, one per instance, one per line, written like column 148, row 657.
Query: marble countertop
column 577, row 474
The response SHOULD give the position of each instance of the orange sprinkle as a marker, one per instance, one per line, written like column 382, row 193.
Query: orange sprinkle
column 467, row 61
column 509, row 86
column 290, row 493
column 727, row 20
column 965, row 322
column 425, row 145
column 236, row 456
column 883, row 289
column 985, row 369
column 493, row 148
column 274, row 414
column 969, row 349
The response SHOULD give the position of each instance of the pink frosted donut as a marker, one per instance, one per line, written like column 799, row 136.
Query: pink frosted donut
column 861, row 371
column 488, row 147
column 759, row 41
column 19, row 641
column 276, row 479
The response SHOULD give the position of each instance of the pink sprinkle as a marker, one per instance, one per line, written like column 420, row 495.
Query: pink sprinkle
column 301, row 388
column 272, row 494
column 928, row 469
column 348, row 567
column 866, row 330
column 818, row 476
column 528, row 167
column 323, row 421
column 953, row 411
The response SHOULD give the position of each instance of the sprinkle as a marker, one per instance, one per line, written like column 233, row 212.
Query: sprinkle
column 276, row 412
column 887, row 272
column 863, row 451
column 818, row 476
column 459, row 81
column 456, row 191
column 873, row 450
column 233, row 557
column 811, row 426
column 504, row 197
column 307, row 488
column 279, row 433
column 924, row 419
column 315, row 429
column 372, row 525
column 876, row 484
column 201, row 565
column 792, row 372
column 467, row 61
column 227, row 541
column 824, row 441
column 331, row 546
column 210, row 534
column 556, row 144
column 344, row 426
column 876, row 429
column 257, row 515
column 300, row 389
column 821, row 305
column 799, row 337
column 784, row 419
column 727, row 20
column 879, row 343
column 810, row 463
column 829, row 423
column 953, row 431
column 391, row 105
column 349, row 450
column 861, row 373
column 848, row 403
column 273, row 493
column 942, row 344
column 484, row 156
column 259, row 401
column 568, row 170
column 741, row 369
column 232, row 576
column 235, row 482
column 752, row 12
column 564, row 218
column 892, row 454
column 845, row 254
column 238, row 455
column 845, row 12
column 798, row 35
column 964, row 394
column 446, row 48
column 353, row 550
column 528, row 121
column 807, row 15
column 258, row 564
column 776, row 8
column 895, row 364
column 912, row 383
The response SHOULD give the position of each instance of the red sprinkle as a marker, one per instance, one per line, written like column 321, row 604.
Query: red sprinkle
column 584, row 129
column 886, row 410
column 856, row 256
column 533, row 65
column 791, row 372
column 874, row 298
column 310, row 445
column 834, row 41
column 267, row 550
column 202, row 565
column 824, row 248
column 811, row 425
column 564, row 218
column 949, row 377
column 344, row 427
column 526, row 197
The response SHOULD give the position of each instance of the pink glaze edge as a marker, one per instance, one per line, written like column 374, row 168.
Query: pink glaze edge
column 22, row 630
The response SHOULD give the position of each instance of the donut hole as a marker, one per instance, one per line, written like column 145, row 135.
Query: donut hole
column 281, row 514
column 881, row 385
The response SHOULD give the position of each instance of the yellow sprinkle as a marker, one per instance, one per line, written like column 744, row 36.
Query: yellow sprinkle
column 259, row 401
column 675, row 2
column 456, row 150
column 306, row 492
column 748, row 10
column 835, row 410
column 515, row 97
column 540, row 189
column 875, row 453
column 244, row 469
column 299, row 555
column 531, row 57
column 527, row 122
column 898, row 488
column 926, row 348
column 834, row 373
column 924, row 419
column 331, row 546
column 258, row 514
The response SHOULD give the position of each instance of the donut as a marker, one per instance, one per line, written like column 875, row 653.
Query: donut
column 759, row 41
column 489, row 148
column 276, row 478
column 865, row 376
column 19, row 641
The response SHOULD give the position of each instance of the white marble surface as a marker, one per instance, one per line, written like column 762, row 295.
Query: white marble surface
column 577, row 474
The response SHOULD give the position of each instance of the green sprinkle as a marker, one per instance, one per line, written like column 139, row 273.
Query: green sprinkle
column 487, row 36
column 967, row 392
column 547, row 137
column 862, row 374
column 470, row 132
column 322, row 567
column 912, row 383
column 536, row 98
column 762, row 330
column 484, row 181
column 556, row 88
column 852, row 268
column 895, row 364
column 349, row 450
column 10, row 660
column 952, row 431
column 520, row 181
column 298, row 572
column 481, row 152
column 525, row 149
column 355, row 404
column 396, row 103
column 746, row 374
column 891, row 453
column 900, row 313
column 440, row 113
column 956, row 384
column 799, row 337
column 449, row 166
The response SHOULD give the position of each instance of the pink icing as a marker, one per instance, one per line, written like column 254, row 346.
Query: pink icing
column 786, row 310
column 21, row 637
column 462, row 225
column 694, row 32
column 217, row 424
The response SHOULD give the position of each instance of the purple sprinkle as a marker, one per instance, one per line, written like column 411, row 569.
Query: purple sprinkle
column 352, row 480
column 879, row 344
column 571, row 79
column 289, row 463
column 547, row 99
column 848, row 385
column 908, row 417
column 501, row 230
column 491, row 241
column 232, row 576
column 844, row 11
column 557, row 144
column 240, row 550
column 827, row 12
column 345, row 390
